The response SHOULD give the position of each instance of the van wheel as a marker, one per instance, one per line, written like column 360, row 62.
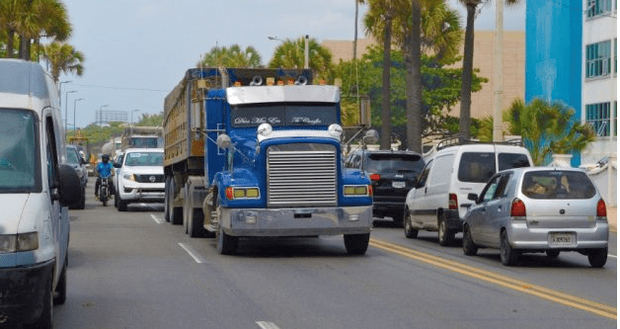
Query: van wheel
column 122, row 205
column 60, row 296
column 598, row 257
column 444, row 235
column 507, row 255
column 410, row 232
column 45, row 319
column 469, row 247
column 356, row 244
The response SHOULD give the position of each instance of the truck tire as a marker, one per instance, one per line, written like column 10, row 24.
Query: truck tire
column 226, row 244
column 167, row 199
column 356, row 244
column 176, row 213
column 195, row 224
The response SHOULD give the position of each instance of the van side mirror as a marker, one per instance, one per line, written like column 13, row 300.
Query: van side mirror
column 472, row 197
column 116, row 165
column 70, row 188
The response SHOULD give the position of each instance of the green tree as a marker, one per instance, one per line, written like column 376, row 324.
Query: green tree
column 63, row 58
column 232, row 56
column 468, row 63
column 546, row 128
column 151, row 120
column 290, row 54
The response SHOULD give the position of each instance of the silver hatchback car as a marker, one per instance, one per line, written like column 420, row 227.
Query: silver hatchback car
column 538, row 209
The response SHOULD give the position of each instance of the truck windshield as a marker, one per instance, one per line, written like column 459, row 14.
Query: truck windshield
column 150, row 159
column 144, row 142
column 284, row 114
column 18, row 152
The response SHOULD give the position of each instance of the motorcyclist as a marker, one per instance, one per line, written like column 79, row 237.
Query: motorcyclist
column 104, row 170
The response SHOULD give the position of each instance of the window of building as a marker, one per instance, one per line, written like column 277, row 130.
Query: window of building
column 598, row 116
column 598, row 7
column 598, row 59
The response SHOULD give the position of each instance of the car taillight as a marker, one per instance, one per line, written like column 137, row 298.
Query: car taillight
column 453, row 201
column 517, row 209
column 601, row 210
column 375, row 177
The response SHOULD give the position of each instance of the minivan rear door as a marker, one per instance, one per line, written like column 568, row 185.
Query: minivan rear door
column 559, row 199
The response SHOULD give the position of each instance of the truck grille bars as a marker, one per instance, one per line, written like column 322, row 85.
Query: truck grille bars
column 301, row 175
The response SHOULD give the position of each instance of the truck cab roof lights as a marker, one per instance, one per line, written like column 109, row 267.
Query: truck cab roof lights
column 335, row 130
column 264, row 129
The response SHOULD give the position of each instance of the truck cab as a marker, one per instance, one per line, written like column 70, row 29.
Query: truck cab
column 272, row 166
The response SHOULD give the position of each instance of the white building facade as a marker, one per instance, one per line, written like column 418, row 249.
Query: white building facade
column 599, row 93
column 599, row 71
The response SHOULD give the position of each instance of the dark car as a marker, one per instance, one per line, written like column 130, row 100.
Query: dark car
column 393, row 174
column 75, row 160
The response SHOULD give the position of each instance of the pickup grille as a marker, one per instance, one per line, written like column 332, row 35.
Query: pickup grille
column 301, row 175
column 147, row 178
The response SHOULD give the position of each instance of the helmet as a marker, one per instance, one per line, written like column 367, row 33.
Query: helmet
column 105, row 158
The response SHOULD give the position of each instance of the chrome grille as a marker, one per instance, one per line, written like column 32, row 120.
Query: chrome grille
column 301, row 175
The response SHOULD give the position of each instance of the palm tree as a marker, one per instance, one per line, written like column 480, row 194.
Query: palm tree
column 290, row 54
column 417, row 26
column 547, row 127
column 468, row 64
column 64, row 58
column 31, row 20
column 232, row 57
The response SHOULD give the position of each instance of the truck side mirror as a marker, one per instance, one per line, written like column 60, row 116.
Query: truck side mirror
column 371, row 137
column 69, row 185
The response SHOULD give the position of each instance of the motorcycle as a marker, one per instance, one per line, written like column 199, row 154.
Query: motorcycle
column 104, row 191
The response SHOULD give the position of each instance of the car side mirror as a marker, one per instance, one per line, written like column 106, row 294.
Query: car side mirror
column 82, row 161
column 70, row 188
column 472, row 197
column 116, row 165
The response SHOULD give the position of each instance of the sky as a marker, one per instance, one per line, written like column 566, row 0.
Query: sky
column 136, row 51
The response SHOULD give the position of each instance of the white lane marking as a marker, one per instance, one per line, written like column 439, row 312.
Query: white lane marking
column 610, row 255
column 197, row 258
column 267, row 325
column 156, row 219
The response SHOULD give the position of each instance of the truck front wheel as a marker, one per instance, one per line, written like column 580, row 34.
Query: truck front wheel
column 226, row 244
column 356, row 244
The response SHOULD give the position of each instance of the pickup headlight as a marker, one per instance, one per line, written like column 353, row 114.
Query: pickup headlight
column 131, row 177
column 233, row 193
column 357, row 190
column 19, row 242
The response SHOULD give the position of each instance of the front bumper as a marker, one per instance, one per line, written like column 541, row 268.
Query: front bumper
column 22, row 290
column 142, row 192
column 296, row 221
column 523, row 237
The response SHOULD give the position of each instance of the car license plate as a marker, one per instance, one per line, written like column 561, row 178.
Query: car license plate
column 562, row 239
column 397, row 184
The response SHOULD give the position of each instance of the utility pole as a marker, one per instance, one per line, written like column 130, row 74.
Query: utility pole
column 67, row 111
column 498, row 71
column 306, row 52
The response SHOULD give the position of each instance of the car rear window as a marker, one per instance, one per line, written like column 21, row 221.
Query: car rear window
column 476, row 167
column 557, row 184
column 408, row 163
column 512, row 160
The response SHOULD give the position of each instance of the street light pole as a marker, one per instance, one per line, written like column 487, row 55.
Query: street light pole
column 74, row 106
column 67, row 111
column 306, row 52
column 498, row 74
column 100, row 114
column 60, row 92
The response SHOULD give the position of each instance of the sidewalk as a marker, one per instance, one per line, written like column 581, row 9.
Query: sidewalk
column 612, row 219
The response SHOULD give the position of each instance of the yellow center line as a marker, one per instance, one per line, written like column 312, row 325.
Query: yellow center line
column 501, row 280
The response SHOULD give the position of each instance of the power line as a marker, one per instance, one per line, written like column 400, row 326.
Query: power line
column 119, row 88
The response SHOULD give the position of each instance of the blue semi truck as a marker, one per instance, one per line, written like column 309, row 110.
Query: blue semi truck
column 257, row 153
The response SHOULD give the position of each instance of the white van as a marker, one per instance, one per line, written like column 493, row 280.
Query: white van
column 35, row 188
column 438, row 202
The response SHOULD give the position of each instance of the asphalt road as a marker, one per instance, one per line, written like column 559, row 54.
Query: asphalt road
column 132, row 270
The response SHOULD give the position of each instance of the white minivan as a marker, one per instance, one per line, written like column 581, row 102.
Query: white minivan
column 438, row 201
column 35, row 189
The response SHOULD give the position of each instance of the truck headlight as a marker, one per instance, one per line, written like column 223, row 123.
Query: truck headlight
column 335, row 130
column 19, row 242
column 264, row 129
column 357, row 190
column 233, row 193
column 131, row 177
